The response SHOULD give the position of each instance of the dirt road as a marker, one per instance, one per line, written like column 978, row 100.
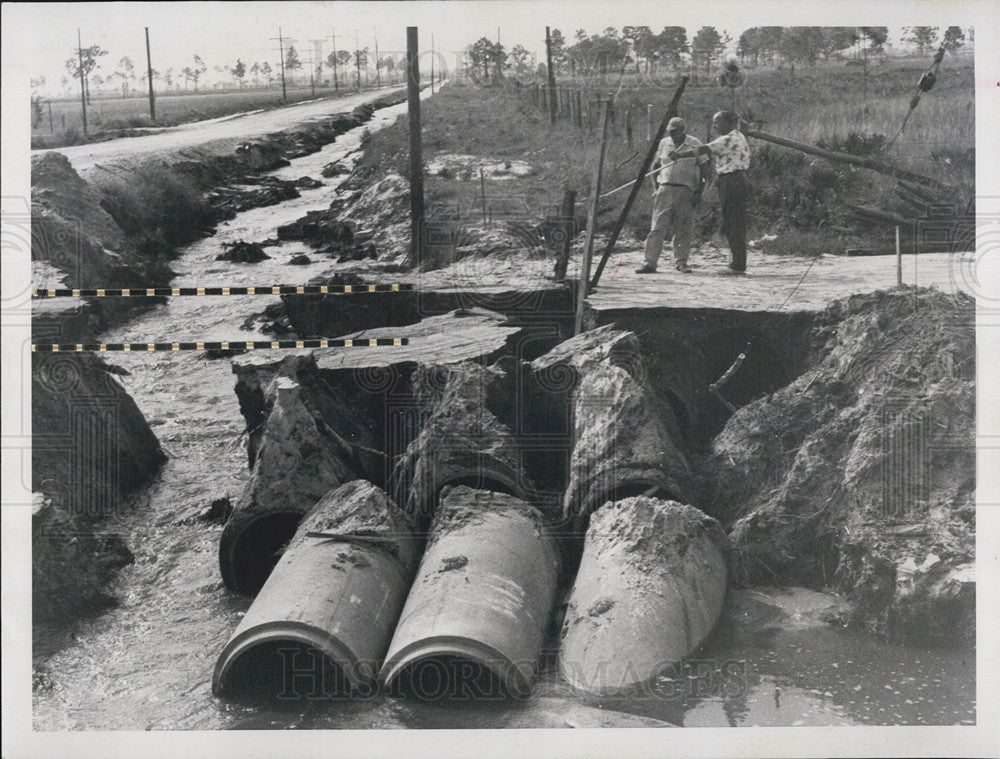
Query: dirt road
column 235, row 127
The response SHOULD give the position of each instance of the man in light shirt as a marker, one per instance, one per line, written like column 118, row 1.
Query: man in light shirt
column 678, row 184
column 732, row 159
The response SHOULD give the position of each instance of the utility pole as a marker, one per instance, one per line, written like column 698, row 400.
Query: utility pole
column 149, row 71
column 416, row 152
column 281, row 61
column 336, row 85
column 432, row 64
column 281, row 52
column 83, row 87
column 312, row 79
column 357, row 58
column 378, row 68
column 552, row 76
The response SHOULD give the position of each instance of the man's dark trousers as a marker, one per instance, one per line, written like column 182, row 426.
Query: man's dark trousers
column 733, row 194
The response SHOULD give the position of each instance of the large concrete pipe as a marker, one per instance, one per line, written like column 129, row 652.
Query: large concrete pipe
column 650, row 588
column 622, row 444
column 321, row 624
column 475, row 618
column 299, row 457
column 462, row 442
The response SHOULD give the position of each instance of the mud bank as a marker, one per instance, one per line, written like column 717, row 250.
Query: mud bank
column 860, row 473
column 91, row 448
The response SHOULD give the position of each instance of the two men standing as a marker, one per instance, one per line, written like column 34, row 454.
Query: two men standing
column 731, row 155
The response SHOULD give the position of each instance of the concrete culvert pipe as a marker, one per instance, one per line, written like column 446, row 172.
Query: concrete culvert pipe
column 462, row 442
column 621, row 443
column 322, row 622
column 475, row 618
column 299, row 458
column 649, row 590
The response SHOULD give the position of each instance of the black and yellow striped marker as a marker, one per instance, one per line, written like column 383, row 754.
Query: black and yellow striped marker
column 234, row 345
column 137, row 292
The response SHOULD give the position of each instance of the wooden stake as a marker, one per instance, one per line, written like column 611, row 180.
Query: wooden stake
column 588, row 248
column 899, row 261
column 482, row 185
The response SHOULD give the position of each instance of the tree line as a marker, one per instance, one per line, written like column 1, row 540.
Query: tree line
column 129, row 80
column 639, row 48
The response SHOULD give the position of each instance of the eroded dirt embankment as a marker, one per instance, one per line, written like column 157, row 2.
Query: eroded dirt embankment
column 91, row 448
column 860, row 473
column 119, row 227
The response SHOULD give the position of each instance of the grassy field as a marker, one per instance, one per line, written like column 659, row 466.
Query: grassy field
column 109, row 116
column 792, row 193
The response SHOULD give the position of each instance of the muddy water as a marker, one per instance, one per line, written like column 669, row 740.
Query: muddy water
column 148, row 663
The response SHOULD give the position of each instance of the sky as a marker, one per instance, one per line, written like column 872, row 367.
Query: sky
column 221, row 32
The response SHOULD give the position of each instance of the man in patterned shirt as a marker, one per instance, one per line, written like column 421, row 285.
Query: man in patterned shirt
column 732, row 159
column 678, row 186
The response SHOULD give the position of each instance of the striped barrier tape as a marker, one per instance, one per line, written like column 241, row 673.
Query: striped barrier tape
column 134, row 292
column 224, row 345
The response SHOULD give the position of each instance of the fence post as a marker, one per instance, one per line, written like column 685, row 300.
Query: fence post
column 628, row 127
column 552, row 75
column 568, row 219
column 579, row 109
column 649, row 122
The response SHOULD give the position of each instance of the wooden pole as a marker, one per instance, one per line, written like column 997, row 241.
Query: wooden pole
column 588, row 248
column 51, row 127
column 357, row 55
column 83, row 87
column 628, row 127
column 149, row 76
column 482, row 187
column 649, row 121
column 579, row 109
column 416, row 157
column 432, row 64
column 281, row 53
column 378, row 67
column 566, row 216
column 336, row 83
column 654, row 145
column 830, row 155
column 899, row 261
column 552, row 76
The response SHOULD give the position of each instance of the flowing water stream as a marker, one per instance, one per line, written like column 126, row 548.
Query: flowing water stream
column 147, row 664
